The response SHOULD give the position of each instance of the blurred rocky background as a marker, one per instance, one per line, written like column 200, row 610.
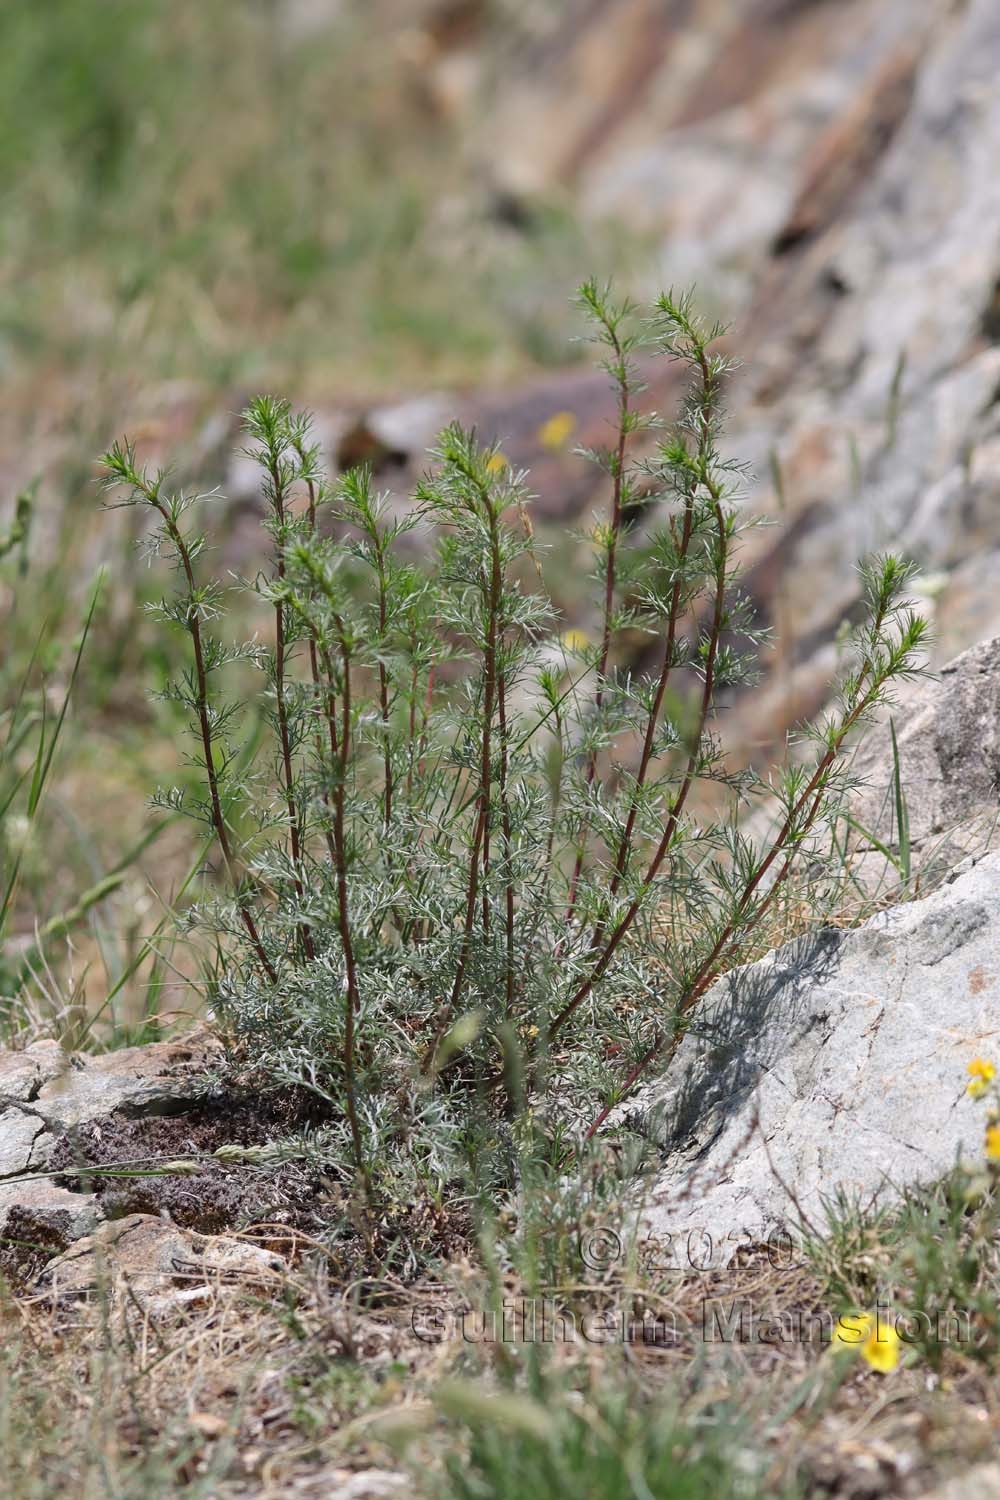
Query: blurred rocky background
column 825, row 173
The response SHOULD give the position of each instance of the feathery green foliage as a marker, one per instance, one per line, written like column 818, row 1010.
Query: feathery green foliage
column 473, row 864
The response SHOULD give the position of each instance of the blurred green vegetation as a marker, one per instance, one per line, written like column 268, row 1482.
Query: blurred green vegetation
column 194, row 189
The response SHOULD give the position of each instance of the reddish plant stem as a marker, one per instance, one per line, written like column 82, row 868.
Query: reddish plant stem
column 314, row 669
column 617, row 491
column 625, row 844
column 481, row 833
column 492, row 600
column 201, row 677
column 707, row 403
column 412, row 730
column 341, row 750
column 463, row 955
column 507, row 841
column 417, row 745
column 724, row 947
column 620, row 931
column 383, row 676
column 279, row 688
column 486, row 867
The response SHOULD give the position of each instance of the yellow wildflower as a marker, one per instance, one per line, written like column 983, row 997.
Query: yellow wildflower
column 575, row 640
column 556, row 431
column 992, row 1145
column 881, row 1349
column 497, row 463
column 876, row 1342
column 982, row 1074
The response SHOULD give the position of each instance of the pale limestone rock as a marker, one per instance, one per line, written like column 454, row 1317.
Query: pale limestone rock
column 152, row 1261
column 835, row 1064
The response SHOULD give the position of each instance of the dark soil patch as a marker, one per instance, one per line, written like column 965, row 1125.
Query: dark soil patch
column 31, row 1238
column 287, row 1207
column 218, row 1196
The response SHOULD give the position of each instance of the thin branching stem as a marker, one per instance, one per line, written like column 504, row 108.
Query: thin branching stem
column 800, row 819
column 620, row 365
column 314, row 671
column 479, row 853
column 284, row 738
column 649, row 739
column 708, row 397
column 383, row 674
column 352, row 999
column 340, row 749
column 508, row 845
column 557, row 785
column 193, row 621
column 670, row 828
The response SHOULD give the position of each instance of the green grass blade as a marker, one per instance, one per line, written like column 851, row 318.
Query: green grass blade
column 902, row 811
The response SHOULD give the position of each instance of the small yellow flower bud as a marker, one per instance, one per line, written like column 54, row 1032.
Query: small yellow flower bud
column 556, row 432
